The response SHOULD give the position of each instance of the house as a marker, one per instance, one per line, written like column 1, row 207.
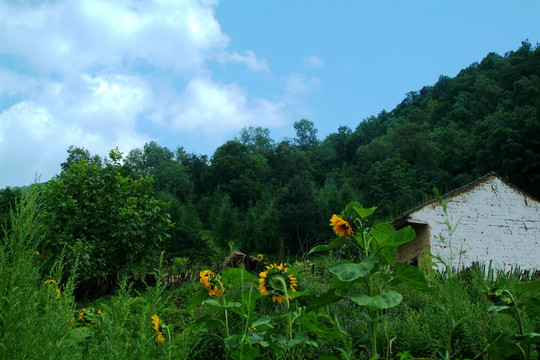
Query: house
column 492, row 222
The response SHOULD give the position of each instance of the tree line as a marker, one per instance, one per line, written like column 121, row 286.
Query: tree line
column 259, row 195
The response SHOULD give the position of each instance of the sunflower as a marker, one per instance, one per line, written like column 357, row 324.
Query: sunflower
column 159, row 336
column 155, row 321
column 52, row 281
column 260, row 256
column 277, row 282
column 89, row 316
column 341, row 227
column 212, row 283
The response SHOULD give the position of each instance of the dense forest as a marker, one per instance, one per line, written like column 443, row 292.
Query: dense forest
column 259, row 195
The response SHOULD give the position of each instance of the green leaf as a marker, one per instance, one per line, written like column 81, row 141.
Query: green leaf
column 257, row 338
column 500, row 348
column 230, row 275
column 339, row 285
column 267, row 321
column 241, row 348
column 387, row 255
column 312, row 323
column 277, row 339
column 388, row 239
column 248, row 298
column 197, row 299
column 363, row 212
column 414, row 278
column 295, row 294
column 207, row 323
column 334, row 243
column 523, row 338
column 384, row 300
column 386, row 235
column 323, row 299
column 215, row 304
column 233, row 342
column 351, row 271
column 498, row 308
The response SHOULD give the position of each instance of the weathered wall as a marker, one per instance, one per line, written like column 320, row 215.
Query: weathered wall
column 412, row 250
column 492, row 222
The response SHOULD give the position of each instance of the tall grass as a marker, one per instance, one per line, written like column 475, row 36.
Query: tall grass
column 33, row 322
column 39, row 318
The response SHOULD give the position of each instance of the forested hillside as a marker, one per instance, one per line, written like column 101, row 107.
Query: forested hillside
column 257, row 194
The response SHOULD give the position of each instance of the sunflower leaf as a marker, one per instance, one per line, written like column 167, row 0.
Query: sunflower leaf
column 363, row 212
column 384, row 300
column 350, row 271
column 215, row 304
column 334, row 243
column 197, row 299
column 231, row 274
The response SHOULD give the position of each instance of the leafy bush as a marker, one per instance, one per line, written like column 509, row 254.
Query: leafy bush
column 104, row 221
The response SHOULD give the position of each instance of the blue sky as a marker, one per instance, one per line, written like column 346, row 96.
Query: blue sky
column 101, row 74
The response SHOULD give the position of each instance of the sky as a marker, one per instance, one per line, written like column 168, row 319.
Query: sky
column 101, row 74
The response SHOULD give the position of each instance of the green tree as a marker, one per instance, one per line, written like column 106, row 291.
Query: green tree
column 169, row 174
column 287, row 161
column 101, row 219
column 76, row 154
column 298, row 213
column 185, row 236
column 196, row 166
column 338, row 142
column 8, row 198
column 306, row 134
column 260, row 232
column 392, row 186
column 224, row 219
column 239, row 173
column 257, row 139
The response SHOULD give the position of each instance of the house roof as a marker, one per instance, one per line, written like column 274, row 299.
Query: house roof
column 403, row 219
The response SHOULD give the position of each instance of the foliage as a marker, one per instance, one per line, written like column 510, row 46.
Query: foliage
column 310, row 314
column 366, row 282
column 238, row 172
column 32, row 310
column 8, row 197
column 103, row 220
column 169, row 174
column 515, row 304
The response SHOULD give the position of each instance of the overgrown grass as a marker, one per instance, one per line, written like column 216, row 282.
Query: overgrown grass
column 40, row 319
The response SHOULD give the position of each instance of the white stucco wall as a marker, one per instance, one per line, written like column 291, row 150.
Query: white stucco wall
column 493, row 222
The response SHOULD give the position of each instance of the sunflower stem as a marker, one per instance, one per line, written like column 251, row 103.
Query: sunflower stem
column 286, row 295
column 227, row 332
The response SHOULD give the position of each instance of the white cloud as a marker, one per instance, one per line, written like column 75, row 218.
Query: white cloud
column 298, row 86
column 249, row 59
column 33, row 141
column 83, row 35
column 100, row 74
column 313, row 61
column 215, row 109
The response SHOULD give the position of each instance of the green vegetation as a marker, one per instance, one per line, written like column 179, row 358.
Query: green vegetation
column 120, row 257
column 353, row 309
